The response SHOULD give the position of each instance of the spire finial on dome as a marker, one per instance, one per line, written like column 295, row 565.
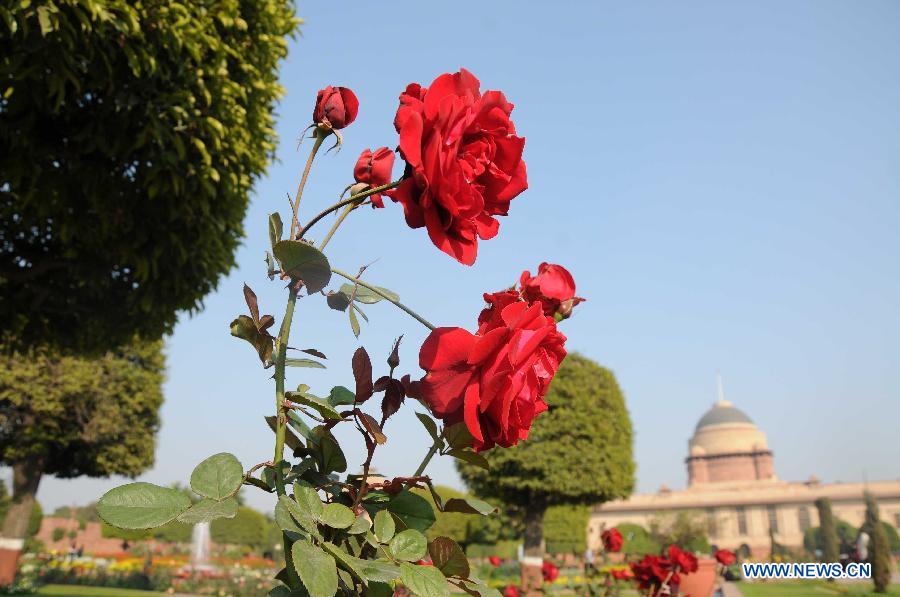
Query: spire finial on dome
column 721, row 401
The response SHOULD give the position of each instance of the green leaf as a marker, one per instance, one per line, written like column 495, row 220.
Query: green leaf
column 141, row 506
column 337, row 516
column 424, row 581
column 361, row 525
column 448, row 557
column 380, row 570
column 207, row 510
column 379, row 589
column 275, row 229
column 366, row 296
column 408, row 545
column 306, row 521
column 458, row 436
column 479, row 589
column 218, row 477
column 340, row 396
column 283, row 517
column 412, row 510
column 308, row 500
column 320, row 405
column 292, row 441
column 303, row 262
column 304, row 363
column 471, row 457
column 317, row 569
column 430, row 426
column 469, row 506
column 354, row 323
column 384, row 526
column 329, row 455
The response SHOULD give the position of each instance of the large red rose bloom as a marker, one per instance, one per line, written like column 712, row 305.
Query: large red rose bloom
column 494, row 380
column 612, row 540
column 464, row 161
column 725, row 557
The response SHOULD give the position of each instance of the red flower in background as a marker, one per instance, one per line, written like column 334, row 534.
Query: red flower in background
column 496, row 379
column 463, row 162
column 510, row 591
column 725, row 557
column 621, row 573
column 553, row 287
column 495, row 561
column 651, row 571
column 612, row 539
column 686, row 561
column 550, row 571
column 374, row 169
column 336, row 107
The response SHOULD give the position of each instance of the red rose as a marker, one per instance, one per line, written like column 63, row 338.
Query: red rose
column 686, row 561
column 494, row 560
column 553, row 286
column 550, row 571
column 651, row 571
column 336, row 107
column 725, row 557
column 494, row 380
column 374, row 169
column 463, row 162
column 510, row 591
column 612, row 539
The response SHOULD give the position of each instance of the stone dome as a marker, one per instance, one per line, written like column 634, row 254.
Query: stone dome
column 725, row 429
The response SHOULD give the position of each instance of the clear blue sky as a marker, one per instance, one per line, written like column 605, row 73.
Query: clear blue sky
column 723, row 180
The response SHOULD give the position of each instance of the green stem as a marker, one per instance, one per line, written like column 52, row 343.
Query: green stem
column 280, row 418
column 344, row 214
column 348, row 201
column 431, row 452
column 320, row 137
column 377, row 291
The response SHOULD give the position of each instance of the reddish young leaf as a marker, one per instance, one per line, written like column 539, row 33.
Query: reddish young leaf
column 381, row 384
column 314, row 352
column 362, row 373
column 372, row 427
column 393, row 397
column 394, row 358
column 250, row 297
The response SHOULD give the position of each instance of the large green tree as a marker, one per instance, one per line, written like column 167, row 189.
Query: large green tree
column 829, row 541
column 131, row 135
column 71, row 416
column 578, row 453
column 879, row 548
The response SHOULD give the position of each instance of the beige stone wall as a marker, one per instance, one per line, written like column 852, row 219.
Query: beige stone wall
column 760, row 501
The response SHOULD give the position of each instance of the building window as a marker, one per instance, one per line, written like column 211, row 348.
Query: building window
column 773, row 518
column 711, row 526
column 803, row 518
column 742, row 520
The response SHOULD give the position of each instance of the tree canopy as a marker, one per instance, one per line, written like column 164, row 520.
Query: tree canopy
column 81, row 416
column 578, row 452
column 132, row 134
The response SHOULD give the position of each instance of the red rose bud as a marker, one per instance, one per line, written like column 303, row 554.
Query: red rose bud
column 725, row 557
column 494, row 561
column 374, row 170
column 612, row 540
column 553, row 287
column 463, row 162
column 336, row 107
column 496, row 379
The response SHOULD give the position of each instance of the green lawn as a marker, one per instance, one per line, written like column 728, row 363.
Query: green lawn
column 82, row 591
column 811, row 589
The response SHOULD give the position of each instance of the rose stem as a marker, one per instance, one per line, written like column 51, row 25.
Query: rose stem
column 375, row 289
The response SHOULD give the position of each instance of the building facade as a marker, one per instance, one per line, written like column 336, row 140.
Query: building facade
column 732, row 484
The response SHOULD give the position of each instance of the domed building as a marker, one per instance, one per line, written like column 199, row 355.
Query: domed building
column 732, row 486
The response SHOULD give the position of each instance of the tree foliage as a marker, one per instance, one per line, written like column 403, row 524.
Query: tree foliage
column 132, row 134
column 579, row 452
column 636, row 540
column 845, row 532
column 448, row 524
column 879, row 548
column 565, row 529
column 830, row 546
column 81, row 416
column 687, row 529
